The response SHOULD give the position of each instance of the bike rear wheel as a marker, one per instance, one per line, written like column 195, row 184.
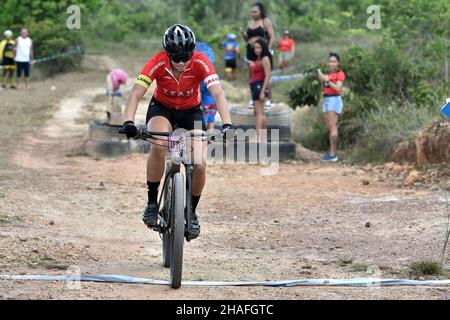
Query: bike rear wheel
column 177, row 230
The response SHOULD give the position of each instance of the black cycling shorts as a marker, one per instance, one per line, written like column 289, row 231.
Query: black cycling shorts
column 231, row 64
column 178, row 118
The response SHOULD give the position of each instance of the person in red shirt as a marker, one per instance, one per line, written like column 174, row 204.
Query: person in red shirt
column 178, row 71
column 332, row 103
column 286, row 46
column 259, row 83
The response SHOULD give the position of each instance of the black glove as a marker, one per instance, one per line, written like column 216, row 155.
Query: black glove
column 129, row 129
column 227, row 131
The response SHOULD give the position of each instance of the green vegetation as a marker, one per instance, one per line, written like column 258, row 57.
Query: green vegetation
column 426, row 268
column 397, row 76
column 104, row 22
column 359, row 267
column 394, row 88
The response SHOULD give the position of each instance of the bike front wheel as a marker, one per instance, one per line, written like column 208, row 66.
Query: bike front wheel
column 177, row 230
column 167, row 208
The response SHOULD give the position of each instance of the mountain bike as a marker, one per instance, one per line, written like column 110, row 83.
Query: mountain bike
column 174, row 218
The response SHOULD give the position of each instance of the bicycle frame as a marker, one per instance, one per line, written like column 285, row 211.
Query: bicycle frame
column 178, row 149
column 176, row 212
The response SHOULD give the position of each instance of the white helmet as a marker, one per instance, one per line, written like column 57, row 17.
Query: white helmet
column 8, row 33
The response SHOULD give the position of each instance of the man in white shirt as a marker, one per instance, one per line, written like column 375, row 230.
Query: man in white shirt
column 24, row 56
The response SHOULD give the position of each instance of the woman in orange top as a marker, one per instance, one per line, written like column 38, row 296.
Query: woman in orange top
column 332, row 103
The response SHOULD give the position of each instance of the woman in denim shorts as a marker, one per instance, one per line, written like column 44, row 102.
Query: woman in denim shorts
column 332, row 103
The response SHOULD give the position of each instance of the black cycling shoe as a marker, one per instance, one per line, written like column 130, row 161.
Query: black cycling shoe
column 194, row 230
column 150, row 216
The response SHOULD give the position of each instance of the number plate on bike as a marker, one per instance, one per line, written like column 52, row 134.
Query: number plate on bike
column 177, row 147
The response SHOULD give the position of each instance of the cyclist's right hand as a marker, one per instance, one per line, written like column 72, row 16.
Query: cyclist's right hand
column 129, row 129
column 227, row 132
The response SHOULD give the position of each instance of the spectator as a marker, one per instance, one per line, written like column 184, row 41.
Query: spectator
column 7, row 52
column 259, row 84
column 260, row 28
column 24, row 56
column 208, row 104
column 232, row 54
column 286, row 46
column 332, row 103
column 114, row 80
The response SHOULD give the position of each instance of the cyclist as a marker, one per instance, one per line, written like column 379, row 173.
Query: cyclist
column 208, row 104
column 114, row 80
column 7, row 53
column 178, row 71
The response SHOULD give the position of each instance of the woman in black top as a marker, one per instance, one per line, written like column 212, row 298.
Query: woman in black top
column 260, row 28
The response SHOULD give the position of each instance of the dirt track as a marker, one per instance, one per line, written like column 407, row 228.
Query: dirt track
column 308, row 221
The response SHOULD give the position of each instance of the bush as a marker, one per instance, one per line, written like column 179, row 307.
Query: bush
column 383, row 129
column 308, row 128
column 309, row 89
column 50, row 39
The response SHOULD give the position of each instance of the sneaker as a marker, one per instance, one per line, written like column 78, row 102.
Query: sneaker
column 329, row 158
column 250, row 104
column 150, row 216
column 194, row 231
column 268, row 105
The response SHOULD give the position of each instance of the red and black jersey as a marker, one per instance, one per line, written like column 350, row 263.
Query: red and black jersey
column 183, row 93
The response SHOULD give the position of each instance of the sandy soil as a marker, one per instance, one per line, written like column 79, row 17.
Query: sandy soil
column 61, row 208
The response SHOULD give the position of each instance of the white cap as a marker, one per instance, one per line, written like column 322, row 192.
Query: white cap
column 8, row 33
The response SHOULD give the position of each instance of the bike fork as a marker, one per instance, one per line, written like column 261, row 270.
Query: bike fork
column 189, row 174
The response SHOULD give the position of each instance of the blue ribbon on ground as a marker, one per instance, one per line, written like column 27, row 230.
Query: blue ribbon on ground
column 354, row 282
column 68, row 53
column 287, row 77
column 286, row 69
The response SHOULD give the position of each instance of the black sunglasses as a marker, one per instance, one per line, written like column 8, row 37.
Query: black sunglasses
column 181, row 57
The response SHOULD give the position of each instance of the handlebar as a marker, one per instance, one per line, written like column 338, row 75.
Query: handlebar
column 144, row 134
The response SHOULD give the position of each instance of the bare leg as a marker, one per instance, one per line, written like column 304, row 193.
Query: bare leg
column 155, row 163
column 199, row 159
column 261, row 122
column 333, row 119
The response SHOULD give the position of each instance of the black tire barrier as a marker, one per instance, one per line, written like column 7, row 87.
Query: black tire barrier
column 251, row 152
column 279, row 117
column 105, row 141
column 284, row 132
column 98, row 130
column 113, row 148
